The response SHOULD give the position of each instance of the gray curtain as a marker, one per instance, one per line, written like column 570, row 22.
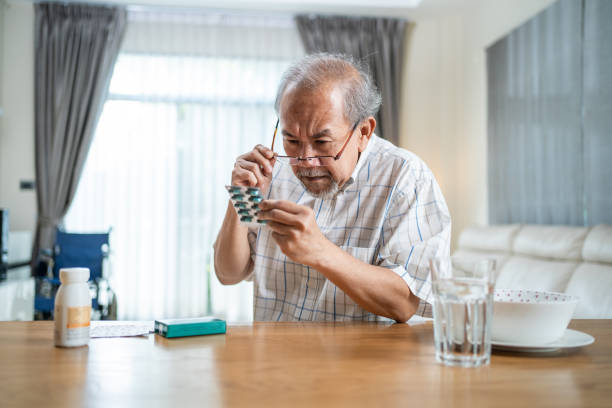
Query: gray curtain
column 377, row 42
column 598, row 111
column 75, row 50
column 550, row 118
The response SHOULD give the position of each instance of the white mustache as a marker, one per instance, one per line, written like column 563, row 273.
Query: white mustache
column 312, row 173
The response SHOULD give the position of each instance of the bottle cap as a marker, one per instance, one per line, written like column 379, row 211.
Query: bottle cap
column 72, row 275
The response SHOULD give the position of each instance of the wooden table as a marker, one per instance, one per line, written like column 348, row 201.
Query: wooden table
column 293, row 364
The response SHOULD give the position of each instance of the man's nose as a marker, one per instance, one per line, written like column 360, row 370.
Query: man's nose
column 307, row 151
column 313, row 162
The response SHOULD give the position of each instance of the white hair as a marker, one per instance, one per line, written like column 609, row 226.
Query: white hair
column 361, row 97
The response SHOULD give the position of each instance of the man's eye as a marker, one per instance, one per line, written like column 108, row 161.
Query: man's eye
column 293, row 142
column 322, row 142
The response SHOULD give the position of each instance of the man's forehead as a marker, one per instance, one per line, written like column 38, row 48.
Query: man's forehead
column 317, row 133
column 301, row 103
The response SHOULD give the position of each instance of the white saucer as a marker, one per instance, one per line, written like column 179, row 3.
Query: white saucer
column 570, row 339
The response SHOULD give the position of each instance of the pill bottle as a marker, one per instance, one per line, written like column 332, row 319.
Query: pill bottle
column 72, row 308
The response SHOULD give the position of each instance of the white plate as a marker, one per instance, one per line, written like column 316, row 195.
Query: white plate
column 570, row 339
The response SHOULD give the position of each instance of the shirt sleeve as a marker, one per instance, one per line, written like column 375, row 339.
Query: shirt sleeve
column 416, row 228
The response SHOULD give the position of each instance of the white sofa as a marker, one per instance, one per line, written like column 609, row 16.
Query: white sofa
column 573, row 260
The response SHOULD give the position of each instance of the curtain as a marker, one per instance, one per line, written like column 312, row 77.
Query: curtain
column 75, row 51
column 191, row 91
column 597, row 110
column 549, row 99
column 377, row 42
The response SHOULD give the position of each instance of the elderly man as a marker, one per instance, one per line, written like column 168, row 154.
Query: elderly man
column 352, row 220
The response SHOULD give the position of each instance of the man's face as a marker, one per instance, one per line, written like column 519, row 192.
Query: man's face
column 313, row 124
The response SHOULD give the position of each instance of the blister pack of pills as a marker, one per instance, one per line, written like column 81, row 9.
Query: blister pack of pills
column 246, row 202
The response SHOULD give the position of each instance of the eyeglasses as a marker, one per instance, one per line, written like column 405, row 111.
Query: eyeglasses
column 313, row 160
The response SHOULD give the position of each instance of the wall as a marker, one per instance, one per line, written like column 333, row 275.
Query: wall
column 444, row 111
column 17, row 122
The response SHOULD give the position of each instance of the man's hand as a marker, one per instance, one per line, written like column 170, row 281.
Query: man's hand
column 376, row 289
column 254, row 169
column 295, row 230
column 232, row 253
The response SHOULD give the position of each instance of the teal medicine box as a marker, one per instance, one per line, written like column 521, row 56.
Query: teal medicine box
column 189, row 327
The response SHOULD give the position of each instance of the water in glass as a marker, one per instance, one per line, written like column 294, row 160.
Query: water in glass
column 463, row 305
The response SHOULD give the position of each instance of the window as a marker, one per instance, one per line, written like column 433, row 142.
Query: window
column 166, row 141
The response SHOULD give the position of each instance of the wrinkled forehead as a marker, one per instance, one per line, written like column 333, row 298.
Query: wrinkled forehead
column 321, row 106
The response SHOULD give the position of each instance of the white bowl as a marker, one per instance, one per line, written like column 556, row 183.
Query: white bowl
column 530, row 317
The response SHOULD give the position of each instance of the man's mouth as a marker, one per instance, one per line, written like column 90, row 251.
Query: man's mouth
column 313, row 175
column 318, row 182
column 315, row 178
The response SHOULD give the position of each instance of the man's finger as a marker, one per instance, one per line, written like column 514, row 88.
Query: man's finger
column 267, row 153
column 279, row 216
column 264, row 163
column 279, row 228
column 284, row 205
column 260, row 155
column 279, row 238
column 240, row 176
column 253, row 168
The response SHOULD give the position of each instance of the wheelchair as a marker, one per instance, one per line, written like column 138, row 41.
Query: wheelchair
column 75, row 250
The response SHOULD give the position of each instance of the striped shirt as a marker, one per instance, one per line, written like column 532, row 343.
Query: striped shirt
column 390, row 213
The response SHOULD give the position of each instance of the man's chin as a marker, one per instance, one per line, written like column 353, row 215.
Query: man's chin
column 320, row 188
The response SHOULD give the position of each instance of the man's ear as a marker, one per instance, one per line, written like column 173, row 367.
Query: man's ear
column 366, row 128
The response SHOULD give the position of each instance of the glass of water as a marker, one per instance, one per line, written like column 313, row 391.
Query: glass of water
column 462, row 309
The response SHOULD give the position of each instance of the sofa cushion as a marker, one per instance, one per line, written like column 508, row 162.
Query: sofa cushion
column 499, row 257
column 598, row 245
column 551, row 242
column 535, row 274
column 592, row 283
column 492, row 238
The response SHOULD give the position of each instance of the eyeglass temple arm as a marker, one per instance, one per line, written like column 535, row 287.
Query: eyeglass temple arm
column 346, row 142
column 274, row 137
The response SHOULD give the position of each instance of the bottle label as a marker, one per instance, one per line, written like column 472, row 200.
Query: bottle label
column 78, row 317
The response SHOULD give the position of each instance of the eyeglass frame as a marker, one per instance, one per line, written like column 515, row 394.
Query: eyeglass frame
column 300, row 159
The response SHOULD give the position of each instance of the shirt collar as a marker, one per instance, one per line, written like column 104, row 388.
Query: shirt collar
column 362, row 159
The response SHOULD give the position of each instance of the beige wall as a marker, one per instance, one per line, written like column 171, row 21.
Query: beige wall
column 17, row 122
column 444, row 99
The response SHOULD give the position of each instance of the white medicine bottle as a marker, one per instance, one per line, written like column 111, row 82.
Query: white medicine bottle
column 72, row 308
